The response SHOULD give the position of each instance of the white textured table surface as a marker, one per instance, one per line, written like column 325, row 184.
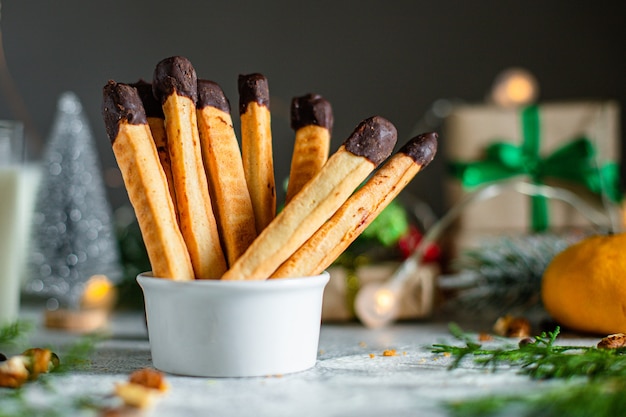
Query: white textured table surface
column 346, row 380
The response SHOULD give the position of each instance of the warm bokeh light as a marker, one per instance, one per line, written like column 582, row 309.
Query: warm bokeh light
column 514, row 87
column 99, row 292
column 376, row 305
column 384, row 301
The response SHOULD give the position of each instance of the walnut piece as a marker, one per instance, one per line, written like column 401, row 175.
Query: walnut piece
column 509, row 326
column 13, row 372
column 149, row 378
column 17, row 369
column 613, row 341
column 135, row 395
column 143, row 386
column 40, row 361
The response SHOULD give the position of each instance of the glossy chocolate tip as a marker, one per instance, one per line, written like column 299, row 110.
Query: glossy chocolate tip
column 253, row 88
column 151, row 105
column 211, row 94
column 121, row 102
column 422, row 148
column 311, row 109
column 175, row 75
column 374, row 138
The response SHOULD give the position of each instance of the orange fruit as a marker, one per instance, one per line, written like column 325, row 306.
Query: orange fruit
column 584, row 287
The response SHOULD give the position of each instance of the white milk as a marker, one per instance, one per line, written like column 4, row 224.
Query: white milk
column 18, row 187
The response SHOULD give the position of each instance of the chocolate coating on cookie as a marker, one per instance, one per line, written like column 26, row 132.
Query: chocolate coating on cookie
column 211, row 94
column 311, row 109
column 422, row 148
column 253, row 88
column 175, row 75
column 374, row 138
column 121, row 102
column 151, row 105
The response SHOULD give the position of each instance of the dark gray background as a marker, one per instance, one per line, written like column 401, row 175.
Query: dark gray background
column 392, row 58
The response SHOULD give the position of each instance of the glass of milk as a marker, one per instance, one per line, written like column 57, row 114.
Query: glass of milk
column 18, row 181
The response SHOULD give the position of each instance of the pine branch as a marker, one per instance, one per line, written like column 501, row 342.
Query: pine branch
column 599, row 398
column 78, row 355
column 16, row 402
column 508, row 270
column 541, row 358
column 13, row 333
column 596, row 377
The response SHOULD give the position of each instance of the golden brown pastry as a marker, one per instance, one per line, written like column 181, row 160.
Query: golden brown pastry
column 330, row 240
column 256, row 146
column 156, row 122
column 175, row 85
column 312, row 121
column 371, row 142
column 145, row 181
column 224, row 167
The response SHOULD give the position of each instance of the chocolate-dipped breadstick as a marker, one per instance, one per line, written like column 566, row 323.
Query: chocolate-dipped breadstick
column 145, row 181
column 156, row 122
column 371, row 142
column 256, row 146
column 175, row 85
column 330, row 240
column 224, row 166
column 312, row 121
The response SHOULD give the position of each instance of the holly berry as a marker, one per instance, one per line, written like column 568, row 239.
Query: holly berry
column 409, row 242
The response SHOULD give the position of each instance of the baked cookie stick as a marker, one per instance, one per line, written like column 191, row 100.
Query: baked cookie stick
column 175, row 85
column 371, row 142
column 224, row 167
column 156, row 122
column 256, row 146
column 136, row 155
column 330, row 240
column 312, row 120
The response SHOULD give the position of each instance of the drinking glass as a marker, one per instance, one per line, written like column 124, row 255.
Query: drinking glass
column 18, row 182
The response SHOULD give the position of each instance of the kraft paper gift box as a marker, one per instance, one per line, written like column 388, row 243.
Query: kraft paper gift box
column 570, row 145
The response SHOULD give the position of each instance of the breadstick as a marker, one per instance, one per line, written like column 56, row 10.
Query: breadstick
column 256, row 146
column 145, row 181
column 156, row 122
column 371, row 142
column 224, row 166
column 175, row 85
column 312, row 120
column 330, row 240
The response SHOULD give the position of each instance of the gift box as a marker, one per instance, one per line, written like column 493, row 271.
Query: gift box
column 573, row 146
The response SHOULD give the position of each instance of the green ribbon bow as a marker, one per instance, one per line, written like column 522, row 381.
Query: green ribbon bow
column 574, row 162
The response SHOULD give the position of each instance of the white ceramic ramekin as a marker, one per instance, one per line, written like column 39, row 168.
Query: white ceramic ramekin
column 214, row 328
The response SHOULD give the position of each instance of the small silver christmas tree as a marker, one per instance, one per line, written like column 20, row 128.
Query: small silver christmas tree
column 73, row 232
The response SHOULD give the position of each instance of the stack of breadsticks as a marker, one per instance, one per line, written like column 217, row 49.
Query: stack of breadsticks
column 207, row 208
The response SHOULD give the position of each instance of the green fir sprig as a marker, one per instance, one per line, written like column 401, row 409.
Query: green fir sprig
column 77, row 356
column 606, row 397
column 596, row 378
column 15, row 332
column 506, row 271
column 539, row 357
column 15, row 402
